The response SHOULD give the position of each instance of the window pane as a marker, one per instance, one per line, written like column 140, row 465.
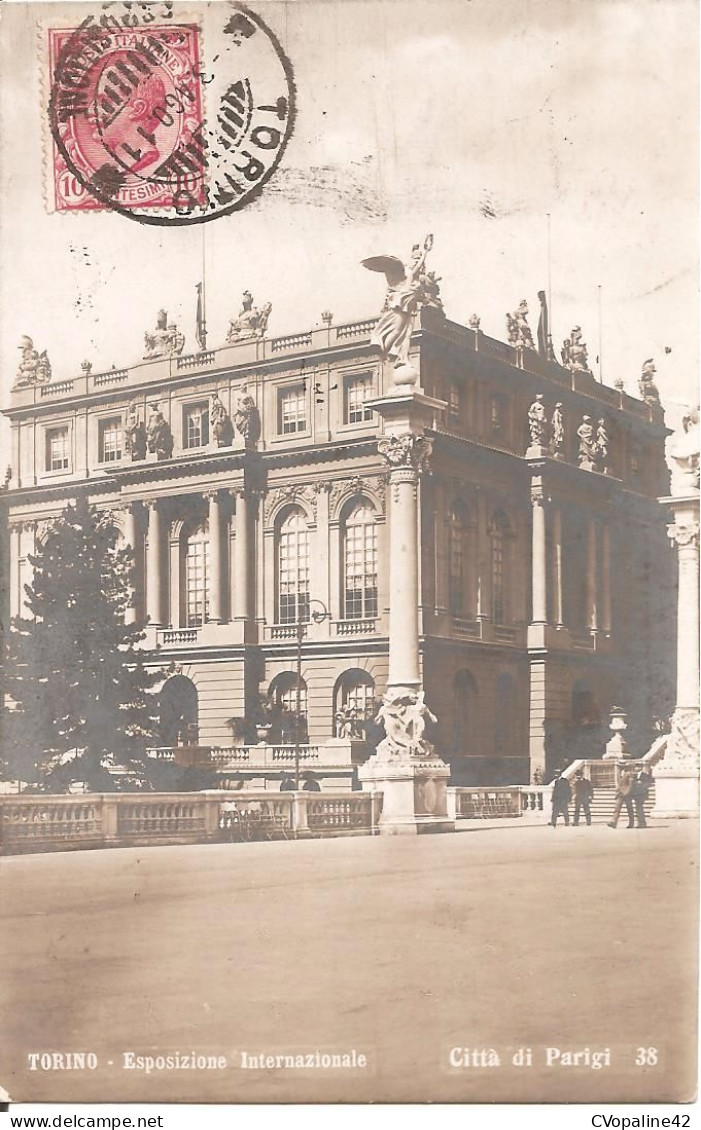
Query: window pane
column 293, row 410
column 360, row 697
column 360, row 557
column 57, row 450
column 110, row 440
column 197, row 580
column 358, row 391
column 196, row 425
column 457, row 563
column 293, row 570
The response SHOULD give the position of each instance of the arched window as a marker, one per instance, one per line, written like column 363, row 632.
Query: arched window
column 283, row 694
column 179, row 714
column 505, row 715
column 360, row 563
column 457, row 547
column 354, row 696
column 500, row 531
column 196, row 563
column 293, row 568
column 464, row 711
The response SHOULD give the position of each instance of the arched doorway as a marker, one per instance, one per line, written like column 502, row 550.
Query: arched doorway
column 179, row 712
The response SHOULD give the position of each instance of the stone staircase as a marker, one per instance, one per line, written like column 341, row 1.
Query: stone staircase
column 603, row 802
column 604, row 777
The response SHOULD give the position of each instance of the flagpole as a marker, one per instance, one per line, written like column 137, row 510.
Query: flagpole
column 204, row 290
column 550, row 349
column 601, row 354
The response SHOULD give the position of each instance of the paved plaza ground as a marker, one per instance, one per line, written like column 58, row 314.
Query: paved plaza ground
column 401, row 949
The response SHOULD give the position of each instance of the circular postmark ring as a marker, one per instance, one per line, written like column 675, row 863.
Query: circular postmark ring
column 117, row 83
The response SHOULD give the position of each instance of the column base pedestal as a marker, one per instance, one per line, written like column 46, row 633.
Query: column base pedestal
column 415, row 800
column 677, row 775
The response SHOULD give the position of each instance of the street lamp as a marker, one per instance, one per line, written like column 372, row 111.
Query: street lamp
column 317, row 616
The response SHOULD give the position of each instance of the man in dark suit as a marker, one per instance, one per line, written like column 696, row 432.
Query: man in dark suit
column 623, row 797
column 562, row 795
column 641, row 787
column 582, row 790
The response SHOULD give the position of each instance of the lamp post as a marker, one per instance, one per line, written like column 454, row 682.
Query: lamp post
column 318, row 617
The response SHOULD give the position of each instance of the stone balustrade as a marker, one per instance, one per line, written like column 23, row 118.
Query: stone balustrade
column 59, row 823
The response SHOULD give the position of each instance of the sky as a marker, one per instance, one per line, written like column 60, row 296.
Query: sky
column 470, row 119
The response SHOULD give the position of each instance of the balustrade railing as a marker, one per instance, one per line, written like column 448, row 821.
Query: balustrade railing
column 170, row 637
column 40, row 821
column 291, row 341
column 112, row 377
column 161, row 818
column 56, row 389
column 354, row 627
column 355, row 329
column 354, row 810
column 485, row 803
column 196, row 360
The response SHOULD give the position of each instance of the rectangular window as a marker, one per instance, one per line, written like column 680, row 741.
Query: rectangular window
column 454, row 402
column 361, row 567
column 196, row 425
column 358, row 391
column 498, row 413
column 196, row 582
column 110, row 440
column 294, row 572
column 57, row 450
column 292, row 410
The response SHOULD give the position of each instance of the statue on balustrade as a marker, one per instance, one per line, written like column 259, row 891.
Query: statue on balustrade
column 517, row 328
column 347, row 724
column 684, row 453
column 602, row 447
column 474, row 322
column 251, row 322
column 537, row 422
column 160, row 437
column 247, row 418
column 135, row 438
column 165, row 340
column 588, row 452
column 405, row 717
column 34, row 368
column 648, row 389
column 406, row 293
column 557, row 432
column 222, row 427
column 574, row 352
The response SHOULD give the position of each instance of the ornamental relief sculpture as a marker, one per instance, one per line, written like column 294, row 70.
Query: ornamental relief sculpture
column 406, row 451
column 684, row 535
column 297, row 494
column 371, row 486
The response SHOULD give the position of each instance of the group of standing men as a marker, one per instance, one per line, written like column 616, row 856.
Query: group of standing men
column 631, row 792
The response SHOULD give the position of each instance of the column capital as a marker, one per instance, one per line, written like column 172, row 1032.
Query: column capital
column 406, row 452
column 684, row 534
column 152, row 503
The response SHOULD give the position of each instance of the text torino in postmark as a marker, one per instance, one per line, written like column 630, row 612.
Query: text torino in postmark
column 145, row 125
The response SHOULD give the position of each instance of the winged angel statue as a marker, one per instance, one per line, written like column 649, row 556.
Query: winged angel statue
column 406, row 292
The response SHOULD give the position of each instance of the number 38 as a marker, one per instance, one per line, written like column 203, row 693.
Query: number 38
column 646, row 1057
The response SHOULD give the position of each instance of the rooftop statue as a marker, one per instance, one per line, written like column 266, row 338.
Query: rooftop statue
column 474, row 322
column 34, row 368
column 135, row 438
column 431, row 290
column 602, row 447
column 247, row 418
column 165, row 340
column 517, row 327
column 646, row 384
column 574, row 352
column 251, row 322
column 406, row 293
column 537, row 422
column 160, row 437
column 684, row 453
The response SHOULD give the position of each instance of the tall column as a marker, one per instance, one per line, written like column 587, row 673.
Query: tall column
column 130, row 540
column 406, row 768
column 404, row 575
column 592, row 587
column 557, row 570
column 216, row 551
column 606, row 577
column 154, row 564
column 686, row 538
column 242, row 557
column 539, row 558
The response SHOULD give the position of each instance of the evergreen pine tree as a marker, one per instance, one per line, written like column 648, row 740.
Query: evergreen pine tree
column 74, row 677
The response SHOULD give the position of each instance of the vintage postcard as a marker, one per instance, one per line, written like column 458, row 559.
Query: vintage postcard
column 349, row 532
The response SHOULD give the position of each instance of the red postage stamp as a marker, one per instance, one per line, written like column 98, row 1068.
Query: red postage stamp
column 127, row 117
